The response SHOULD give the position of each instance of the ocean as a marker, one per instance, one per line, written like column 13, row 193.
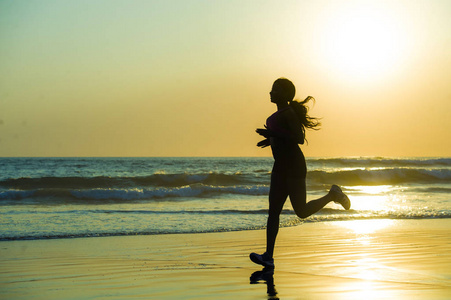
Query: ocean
column 48, row 198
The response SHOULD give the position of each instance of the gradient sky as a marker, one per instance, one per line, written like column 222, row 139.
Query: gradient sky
column 192, row 77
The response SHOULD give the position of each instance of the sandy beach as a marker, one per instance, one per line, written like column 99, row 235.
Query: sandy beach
column 370, row 259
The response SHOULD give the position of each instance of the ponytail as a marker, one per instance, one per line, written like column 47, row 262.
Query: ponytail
column 301, row 110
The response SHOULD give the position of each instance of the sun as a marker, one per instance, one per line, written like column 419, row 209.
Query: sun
column 362, row 41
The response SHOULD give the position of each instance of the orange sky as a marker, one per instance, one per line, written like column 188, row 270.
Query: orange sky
column 191, row 78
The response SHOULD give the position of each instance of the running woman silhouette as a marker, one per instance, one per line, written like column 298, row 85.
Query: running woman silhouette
column 284, row 131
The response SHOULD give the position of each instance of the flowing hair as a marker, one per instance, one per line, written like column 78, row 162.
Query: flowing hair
column 300, row 108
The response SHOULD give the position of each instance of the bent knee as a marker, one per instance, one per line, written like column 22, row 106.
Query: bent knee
column 302, row 214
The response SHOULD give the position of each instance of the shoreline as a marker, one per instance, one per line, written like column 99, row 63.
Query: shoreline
column 373, row 259
column 144, row 234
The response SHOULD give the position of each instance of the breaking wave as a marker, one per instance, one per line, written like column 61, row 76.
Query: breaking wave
column 346, row 177
column 382, row 176
column 158, row 186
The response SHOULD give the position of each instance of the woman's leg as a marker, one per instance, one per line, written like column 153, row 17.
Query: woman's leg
column 278, row 194
column 298, row 197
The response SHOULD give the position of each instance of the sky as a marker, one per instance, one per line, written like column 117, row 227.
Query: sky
column 192, row 77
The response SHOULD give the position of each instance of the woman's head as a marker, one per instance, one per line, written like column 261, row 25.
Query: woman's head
column 283, row 90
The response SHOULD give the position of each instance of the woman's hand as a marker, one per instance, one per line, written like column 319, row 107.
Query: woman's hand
column 264, row 132
column 265, row 143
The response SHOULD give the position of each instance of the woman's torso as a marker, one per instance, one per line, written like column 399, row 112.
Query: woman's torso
column 278, row 122
column 286, row 152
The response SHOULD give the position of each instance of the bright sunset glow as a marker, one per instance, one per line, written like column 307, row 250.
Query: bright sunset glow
column 364, row 41
column 191, row 78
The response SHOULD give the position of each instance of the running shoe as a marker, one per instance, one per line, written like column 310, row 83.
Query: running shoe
column 263, row 259
column 342, row 198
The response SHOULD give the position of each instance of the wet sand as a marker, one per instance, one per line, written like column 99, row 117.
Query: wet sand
column 371, row 259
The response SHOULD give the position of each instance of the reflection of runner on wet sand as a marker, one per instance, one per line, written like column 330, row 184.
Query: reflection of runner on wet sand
column 284, row 131
column 267, row 276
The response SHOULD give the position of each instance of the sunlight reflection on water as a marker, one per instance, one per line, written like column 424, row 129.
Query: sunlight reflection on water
column 366, row 266
column 366, row 226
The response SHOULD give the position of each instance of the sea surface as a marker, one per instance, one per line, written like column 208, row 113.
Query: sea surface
column 42, row 198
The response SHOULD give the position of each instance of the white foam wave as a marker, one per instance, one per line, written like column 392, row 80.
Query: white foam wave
column 185, row 191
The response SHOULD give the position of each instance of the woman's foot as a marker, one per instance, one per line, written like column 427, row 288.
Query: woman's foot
column 341, row 197
column 263, row 259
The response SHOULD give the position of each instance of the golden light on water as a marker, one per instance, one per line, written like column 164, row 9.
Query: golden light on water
column 366, row 266
column 372, row 190
column 371, row 198
column 368, row 289
column 365, row 226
